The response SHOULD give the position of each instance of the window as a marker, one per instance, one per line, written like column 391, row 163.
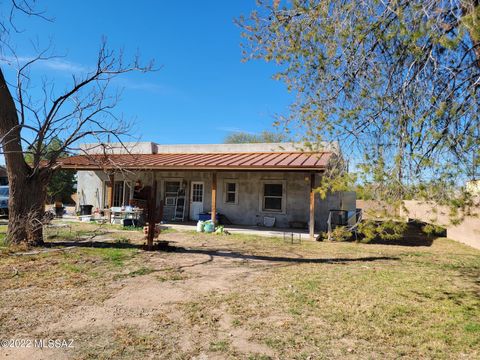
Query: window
column 118, row 193
column 273, row 198
column 171, row 190
column 197, row 192
column 121, row 193
column 230, row 192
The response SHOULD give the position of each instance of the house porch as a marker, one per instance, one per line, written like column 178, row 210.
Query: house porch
column 242, row 198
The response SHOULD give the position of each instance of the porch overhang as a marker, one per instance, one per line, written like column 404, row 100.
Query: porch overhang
column 271, row 161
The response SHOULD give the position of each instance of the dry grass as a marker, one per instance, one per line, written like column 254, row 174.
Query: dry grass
column 245, row 297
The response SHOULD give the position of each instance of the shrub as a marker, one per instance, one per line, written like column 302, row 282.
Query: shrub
column 381, row 230
column 434, row 230
column 340, row 233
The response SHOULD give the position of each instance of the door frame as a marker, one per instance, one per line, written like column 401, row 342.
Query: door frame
column 191, row 202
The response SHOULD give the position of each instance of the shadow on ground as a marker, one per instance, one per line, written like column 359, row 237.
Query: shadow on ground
column 237, row 255
column 218, row 253
column 93, row 244
column 412, row 236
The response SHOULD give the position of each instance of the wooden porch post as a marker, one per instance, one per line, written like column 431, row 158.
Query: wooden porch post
column 311, row 223
column 111, row 182
column 214, row 197
column 152, row 207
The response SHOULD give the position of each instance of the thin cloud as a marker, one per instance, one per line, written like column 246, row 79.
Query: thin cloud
column 235, row 130
column 55, row 64
column 66, row 67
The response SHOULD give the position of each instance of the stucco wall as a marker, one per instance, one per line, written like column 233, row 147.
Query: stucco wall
column 246, row 212
column 372, row 209
column 89, row 188
column 467, row 232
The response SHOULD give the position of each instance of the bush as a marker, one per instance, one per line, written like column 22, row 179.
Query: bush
column 434, row 230
column 341, row 233
column 381, row 230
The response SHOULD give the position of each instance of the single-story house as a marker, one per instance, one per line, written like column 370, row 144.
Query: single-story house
column 244, row 183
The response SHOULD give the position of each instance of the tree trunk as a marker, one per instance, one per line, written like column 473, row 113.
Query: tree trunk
column 26, row 209
column 26, row 204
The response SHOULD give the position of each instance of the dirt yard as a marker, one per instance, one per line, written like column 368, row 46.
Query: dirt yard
column 230, row 297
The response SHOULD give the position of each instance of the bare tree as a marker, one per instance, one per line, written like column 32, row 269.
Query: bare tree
column 84, row 109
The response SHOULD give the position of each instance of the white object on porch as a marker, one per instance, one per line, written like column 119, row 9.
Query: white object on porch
column 268, row 221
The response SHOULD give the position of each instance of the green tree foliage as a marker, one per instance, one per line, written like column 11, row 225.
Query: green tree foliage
column 62, row 182
column 263, row 137
column 396, row 83
column 386, row 230
column 61, row 187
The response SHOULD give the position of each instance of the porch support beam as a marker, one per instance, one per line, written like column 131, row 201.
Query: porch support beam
column 152, row 207
column 311, row 223
column 214, row 197
column 111, row 182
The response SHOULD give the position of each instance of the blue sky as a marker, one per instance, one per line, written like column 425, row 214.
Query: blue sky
column 202, row 91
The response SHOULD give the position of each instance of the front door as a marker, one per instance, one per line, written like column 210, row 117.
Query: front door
column 196, row 199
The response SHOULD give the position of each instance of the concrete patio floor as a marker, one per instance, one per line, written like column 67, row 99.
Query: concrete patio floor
column 247, row 230
column 301, row 234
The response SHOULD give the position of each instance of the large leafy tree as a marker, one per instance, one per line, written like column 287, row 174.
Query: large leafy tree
column 396, row 82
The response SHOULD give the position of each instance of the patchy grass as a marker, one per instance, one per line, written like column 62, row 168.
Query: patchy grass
column 3, row 235
column 219, row 346
column 172, row 275
column 395, row 301
column 412, row 307
column 116, row 256
column 38, row 289
column 245, row 297
column 141, row 271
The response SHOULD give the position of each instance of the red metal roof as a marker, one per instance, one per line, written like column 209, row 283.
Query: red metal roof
column 201, row 161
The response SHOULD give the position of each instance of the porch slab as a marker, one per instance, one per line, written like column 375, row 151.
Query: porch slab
column 246, row 230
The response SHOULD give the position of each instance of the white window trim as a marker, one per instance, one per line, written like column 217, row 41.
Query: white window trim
column 193, row 182
column 230, row 181
column 261, row 196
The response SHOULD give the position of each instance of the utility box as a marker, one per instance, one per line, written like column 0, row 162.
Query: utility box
column 348, row 202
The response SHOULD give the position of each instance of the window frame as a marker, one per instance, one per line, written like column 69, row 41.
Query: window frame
column 226, row 191
column 170, row 195
column 283, row 198
column 127, row 192
column 193, row 194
